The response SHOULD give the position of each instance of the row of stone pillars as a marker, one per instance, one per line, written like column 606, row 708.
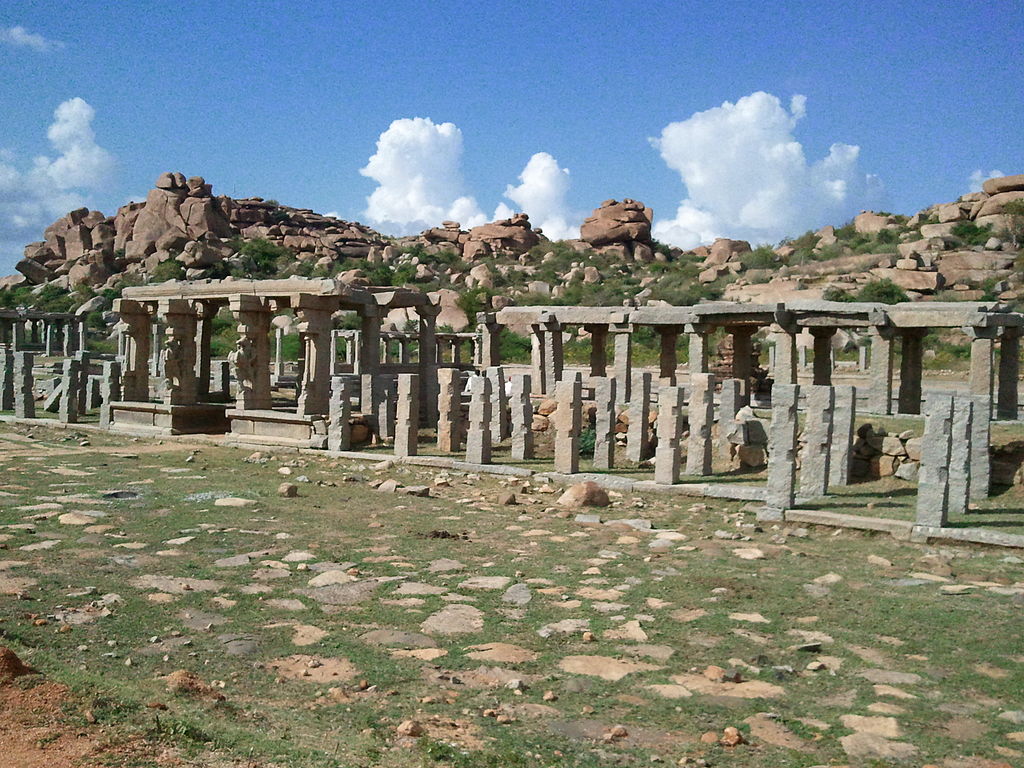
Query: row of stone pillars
column 54, row 337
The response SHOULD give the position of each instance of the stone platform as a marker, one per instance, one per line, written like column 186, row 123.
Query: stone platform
column 277, row 427
column 163, row 419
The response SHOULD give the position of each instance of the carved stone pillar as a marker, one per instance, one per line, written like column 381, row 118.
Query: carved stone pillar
column 314, row 316
column 823, row 355
column 598, row 349
column 137, row 323
column 251, row 356
column 178, row 356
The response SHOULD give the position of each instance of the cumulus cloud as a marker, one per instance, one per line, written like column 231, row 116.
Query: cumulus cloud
column 541, row 194
column 418, row 170
column 22, row 38
column 32, row 197
column 748, row 177
column 979, row 177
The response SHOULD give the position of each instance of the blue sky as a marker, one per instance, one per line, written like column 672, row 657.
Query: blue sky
column 289, row 101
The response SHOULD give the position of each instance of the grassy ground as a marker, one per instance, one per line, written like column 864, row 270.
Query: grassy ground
column 815, row 623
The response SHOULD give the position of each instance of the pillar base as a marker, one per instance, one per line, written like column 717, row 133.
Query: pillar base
column 270, row 427
column 162, row 419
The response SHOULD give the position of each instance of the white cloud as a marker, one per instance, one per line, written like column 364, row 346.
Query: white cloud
column 748, row 177
column 22, row 38
column 418, row 170
column 542, row 196
column 979, row 177
column 30, row 199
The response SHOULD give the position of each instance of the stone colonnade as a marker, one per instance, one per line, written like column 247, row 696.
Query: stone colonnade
column 51, row 333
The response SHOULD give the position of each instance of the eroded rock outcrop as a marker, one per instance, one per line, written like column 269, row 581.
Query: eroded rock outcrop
column 621, row 226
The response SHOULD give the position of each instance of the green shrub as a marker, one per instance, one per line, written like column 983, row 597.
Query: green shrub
column 883, row 292
column 762, row 257
column 588, row 440
column 260, row 258
column 514, row 348
column 971, row 233
column 167, row 270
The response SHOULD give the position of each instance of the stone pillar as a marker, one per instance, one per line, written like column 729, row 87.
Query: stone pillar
column 568, row 422
column 699, row 336
column 339, row 413
column 983, row 342
column 156, row 351
column 605, row 418
column 881, row 370
column 553, row 357
column 50, row 335
column 1009, row 373
column 110, row 390
column 204, row 334
column 699, row 448
column 314, row 327
column 781, row 494
column 19, row 335
column 335, row 357
column 6, row 379
column 82, row 333
column 844, row 419
column 427, row 361
column 369, row 399
column 743, row 358
column 814, row 466
column 178, row 357
column 478, row 436
column 449, row 406
column 637, row 435
column 538, row 373
column 386, row 393
column 251, row 356
column 912, row 370
column 823, row 355
column 407, row 425
column 960, row 455
column 278, row 355
column 667, row 458
column 405, row 350
column 522, row 417
column 70, row 380
column 933, row 476
column 981, row 435
column 490, row 341
column 668, row 359
column 622, row 338
column 784, row 368
column 222, row 376
column 862, row 357
column 82, row 381
column 68, row 339
column 598, row 349
column 369, row 340
column 24, row 386
column 137, row 337
column 729, row 403
column 500, row 429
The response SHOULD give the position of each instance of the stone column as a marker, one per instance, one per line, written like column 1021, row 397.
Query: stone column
column 1009, row 373
column 67, row 408
column 605, row 418
column 407, row 427
column 823, row 355
column 911, row 370
column 427, row 360
column 667, row 458
column 568, row 422
column 278, row 355
column 386, row 413
column 490, row 340
column 6, row 379
column 110, row 390
column 743, row 358
column 844, row 419
column 478, row 436
column 19, row 335
column 204, row 333
column 981, row 436
column 537, row 364
column 314, row 327
column 699, row 448
column 335, row 357
column 598, row 349
column 82, row 381
column 933, row 477
column 369, row 340
column 637, row 435
column 339, row 414
column 136, row 320
column 82, row 333
column 814, row 466
column 522, row 417
column 668, row 359
column 553, row 357
column 405, row 350
column 983, row 341
column 156, row 351
column 862, row 357
column 622, row 339
column 251, row 356
column 729, row 403
column 222, row 375
column 68, row 338
column 699, row 337
column 782, row 431
column 784, row 368
column 178, row 357
column 50, row 335
column 881, row 370
column 449, row 406
column 500, row 429
column 24, row 386
column 960, row 455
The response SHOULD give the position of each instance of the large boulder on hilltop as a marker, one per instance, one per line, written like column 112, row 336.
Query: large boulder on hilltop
column 508, row 236
column 994, row 205
column 451, row 314
column 626, row 222
column 1004, row 184
column 724, row 251
column 870, row 223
